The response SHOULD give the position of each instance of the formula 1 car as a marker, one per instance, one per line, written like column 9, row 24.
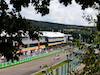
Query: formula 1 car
column 56, row 58
column 42, row 66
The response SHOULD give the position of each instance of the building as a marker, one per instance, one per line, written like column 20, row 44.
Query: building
column 47, row 39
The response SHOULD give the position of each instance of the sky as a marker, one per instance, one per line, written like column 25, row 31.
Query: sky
column 72, row 14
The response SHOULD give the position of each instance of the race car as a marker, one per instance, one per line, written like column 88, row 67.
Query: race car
column 43, row 65
column 56, row 58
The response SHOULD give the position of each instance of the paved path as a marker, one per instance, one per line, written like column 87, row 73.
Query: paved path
column 32, row 66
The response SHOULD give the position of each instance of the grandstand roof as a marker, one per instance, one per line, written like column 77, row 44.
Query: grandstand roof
column 45, row 34
column 52, row 34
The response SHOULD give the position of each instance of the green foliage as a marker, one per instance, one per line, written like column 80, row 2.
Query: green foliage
column 12, row 27
column 47, row 25
column 91, row 61
column 98, row 21
column 42, row 6
column 97, row 38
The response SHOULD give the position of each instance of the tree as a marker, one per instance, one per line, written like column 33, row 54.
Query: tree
column 98, row 22
column 12, row 27
column 97, row 38
column 42, row 6
column 91, row 61
column 92, row 35
column 90, row 19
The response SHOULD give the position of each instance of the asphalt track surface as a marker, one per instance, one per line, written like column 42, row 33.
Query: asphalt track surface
column 32, row 66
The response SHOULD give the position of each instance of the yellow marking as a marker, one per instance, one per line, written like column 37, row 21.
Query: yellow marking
column 55, row 43
column 43, row 46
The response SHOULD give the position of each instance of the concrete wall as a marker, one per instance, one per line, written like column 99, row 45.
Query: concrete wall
column 55, row 39
column 29, row 41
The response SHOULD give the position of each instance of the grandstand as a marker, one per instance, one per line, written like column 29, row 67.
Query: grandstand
column 47, row 39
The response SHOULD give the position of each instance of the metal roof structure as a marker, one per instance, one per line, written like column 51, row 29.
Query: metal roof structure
column 52, row 34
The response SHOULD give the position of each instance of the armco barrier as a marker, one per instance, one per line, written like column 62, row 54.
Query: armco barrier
column 7, row 64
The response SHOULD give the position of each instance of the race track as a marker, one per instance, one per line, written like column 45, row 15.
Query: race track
column 32, row 66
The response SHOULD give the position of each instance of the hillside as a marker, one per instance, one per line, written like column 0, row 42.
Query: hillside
column 55, row 26
column 75, row 30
